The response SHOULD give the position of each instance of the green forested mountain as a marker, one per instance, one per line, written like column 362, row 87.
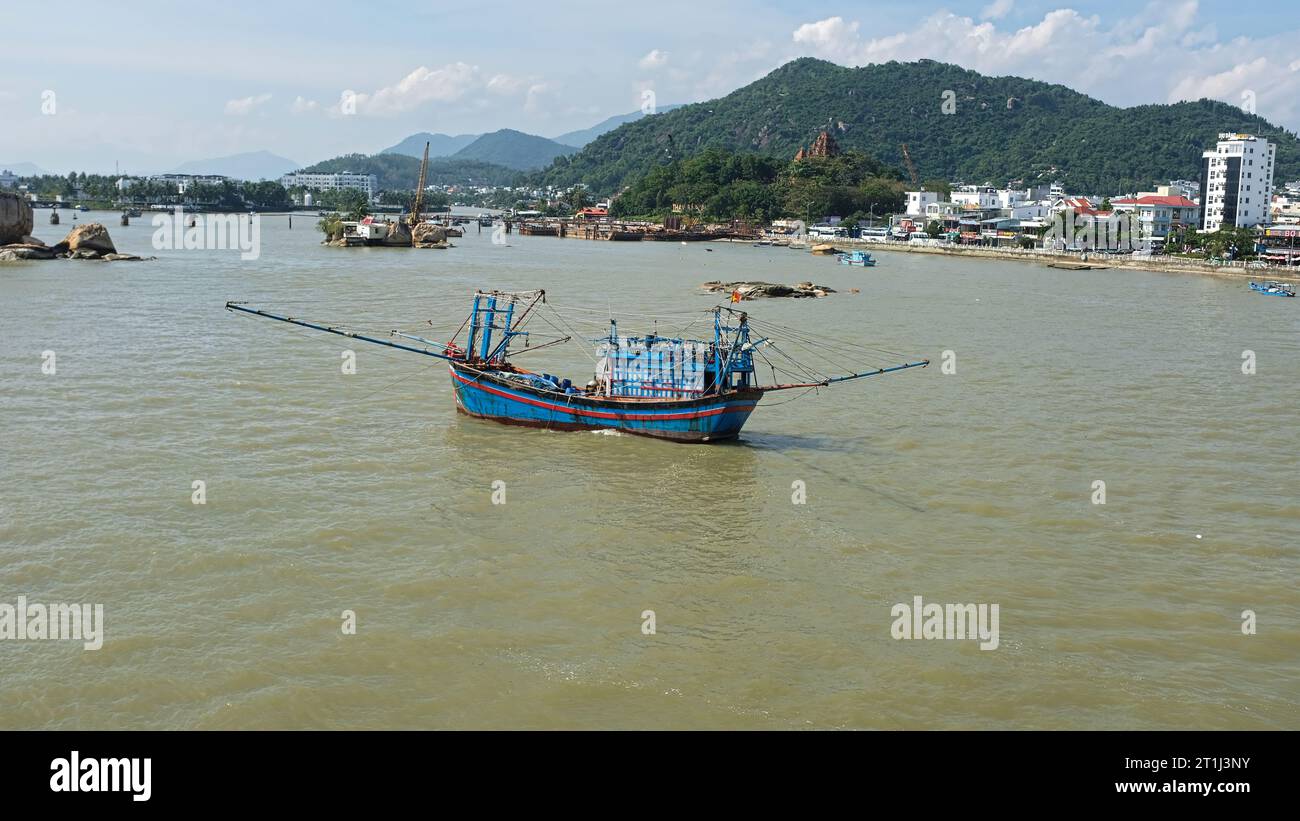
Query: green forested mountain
column 513, row 149
column 581, row 137
column 398, row 172
column 1002, row 128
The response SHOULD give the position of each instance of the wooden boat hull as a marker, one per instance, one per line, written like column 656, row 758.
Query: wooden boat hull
column 707, row 419
column 1264, row 289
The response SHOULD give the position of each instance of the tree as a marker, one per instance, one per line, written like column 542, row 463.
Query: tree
column 577, row 198
column 940, row 187
column 354, row 203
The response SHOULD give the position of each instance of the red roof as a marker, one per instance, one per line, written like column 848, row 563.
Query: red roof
column 594, row 212
column 1178, row 201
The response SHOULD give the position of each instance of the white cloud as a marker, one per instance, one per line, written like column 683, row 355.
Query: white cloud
column 540, row 99
column 456, row 82
column 657, row 58
column 831, row 38
column 245, row 105
column 506, row 84
column 423, row 85
column 997, row 9
column 302, row 105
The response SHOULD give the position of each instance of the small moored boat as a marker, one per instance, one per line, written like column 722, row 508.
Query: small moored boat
column 860, row 258
column 1273, row 288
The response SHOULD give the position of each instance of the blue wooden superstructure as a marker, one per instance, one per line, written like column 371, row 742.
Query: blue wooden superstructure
column 859, row 258
column 1272, row 288
column 679, row 389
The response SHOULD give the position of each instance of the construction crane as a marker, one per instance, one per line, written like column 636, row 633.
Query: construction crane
column 911, row 169
column 418, row 203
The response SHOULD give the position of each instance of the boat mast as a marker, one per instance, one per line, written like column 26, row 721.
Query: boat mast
column 233, row 306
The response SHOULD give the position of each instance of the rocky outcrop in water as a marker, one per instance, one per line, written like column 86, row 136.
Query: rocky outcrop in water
column 88, row 241
column 756, row 290
column 92, row 236
column 15, row 219
column 428, row 235
column 399, row 235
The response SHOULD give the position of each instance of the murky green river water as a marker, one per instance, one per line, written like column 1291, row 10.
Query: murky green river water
column 328, row 492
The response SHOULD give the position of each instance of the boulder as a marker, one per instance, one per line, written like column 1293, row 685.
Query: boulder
column 124, row 258
column 85, row 253
column 399, row 234
column 92, row 236
column 428, row 235
column 17, row 252
column 15, row 218
column 31, row 241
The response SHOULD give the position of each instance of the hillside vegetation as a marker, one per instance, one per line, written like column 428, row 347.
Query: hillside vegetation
column 1000, row 129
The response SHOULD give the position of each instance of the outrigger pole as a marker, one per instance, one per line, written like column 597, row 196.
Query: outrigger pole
column 234, row 306
column 835, row 379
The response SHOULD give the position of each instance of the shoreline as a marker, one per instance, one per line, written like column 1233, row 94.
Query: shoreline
column 1173, row 265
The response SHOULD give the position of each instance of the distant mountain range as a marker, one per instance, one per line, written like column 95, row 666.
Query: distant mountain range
column 23, row 169
column 510, row 148
column 399, row 172
column 514, row 149
column 254, row 165
column 1001, row 129
column 440, row 145
column 507, row 147
column 580, row 138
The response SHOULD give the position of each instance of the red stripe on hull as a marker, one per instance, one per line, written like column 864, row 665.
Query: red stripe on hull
column 615, row 416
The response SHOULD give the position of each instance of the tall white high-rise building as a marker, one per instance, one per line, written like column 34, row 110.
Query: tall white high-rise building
column 1236, row 182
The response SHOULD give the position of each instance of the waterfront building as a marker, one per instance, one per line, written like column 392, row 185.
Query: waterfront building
column 331, row 182
column 8, row 179
column 1011, row 197
column 1236, row 182
column 918, row 201
column 1286, row 209
column 1159, row 211
column 976, row 197
column 1077, row 205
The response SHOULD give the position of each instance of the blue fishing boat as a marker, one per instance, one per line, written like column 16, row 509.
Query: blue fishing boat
column 684, row 390
column 1272, row 288
column 860, row 258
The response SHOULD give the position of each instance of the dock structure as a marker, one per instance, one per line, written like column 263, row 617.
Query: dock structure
column 620, row 231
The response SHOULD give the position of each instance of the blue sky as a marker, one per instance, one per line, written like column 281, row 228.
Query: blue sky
column 153, row 84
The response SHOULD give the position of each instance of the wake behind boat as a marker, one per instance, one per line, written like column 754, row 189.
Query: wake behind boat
column 685, row 390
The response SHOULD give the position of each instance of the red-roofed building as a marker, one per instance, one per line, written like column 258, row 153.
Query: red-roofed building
column 1161, row 211
column 593, row 213
column 1079, row 205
